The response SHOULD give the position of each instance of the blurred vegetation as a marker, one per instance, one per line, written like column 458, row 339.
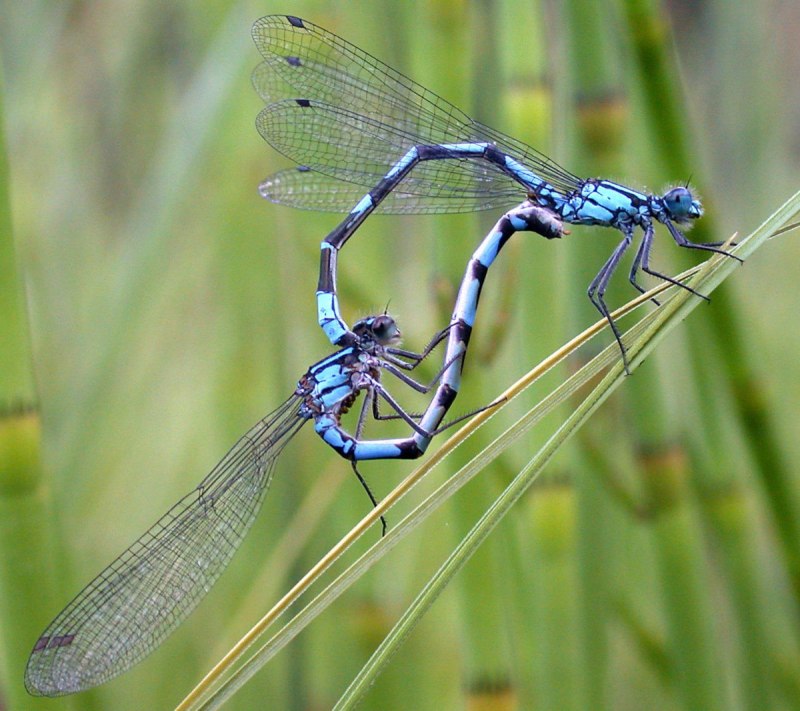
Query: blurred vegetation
column 656, row 566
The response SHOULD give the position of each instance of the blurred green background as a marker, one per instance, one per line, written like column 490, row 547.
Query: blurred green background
column 168, row 308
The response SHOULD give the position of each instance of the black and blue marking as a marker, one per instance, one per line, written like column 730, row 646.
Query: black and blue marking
column 350, row 120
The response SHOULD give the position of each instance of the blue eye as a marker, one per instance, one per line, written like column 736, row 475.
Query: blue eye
column 681, row 204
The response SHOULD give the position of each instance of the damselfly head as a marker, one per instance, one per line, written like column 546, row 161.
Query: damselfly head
column 682, row 205
column 381, row 329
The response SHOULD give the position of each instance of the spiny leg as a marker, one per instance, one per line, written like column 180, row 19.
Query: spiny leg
column 597, row 289
column 372, row 498
column 642, row 260
column 374, row 392
column 380, row 391
column 682, row 241
column 644, row 253
column 419, row 387
column 377, row 415
column 369, row 398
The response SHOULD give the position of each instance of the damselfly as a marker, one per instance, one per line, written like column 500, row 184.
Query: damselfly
column 144, row 595
column 352, row 121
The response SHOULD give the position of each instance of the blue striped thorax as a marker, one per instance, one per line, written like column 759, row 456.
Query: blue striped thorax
column 332, row 384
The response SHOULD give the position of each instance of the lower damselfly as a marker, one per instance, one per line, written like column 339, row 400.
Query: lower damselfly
column 139, row 599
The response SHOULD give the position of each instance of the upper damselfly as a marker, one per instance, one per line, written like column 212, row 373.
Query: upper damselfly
column 352, row 122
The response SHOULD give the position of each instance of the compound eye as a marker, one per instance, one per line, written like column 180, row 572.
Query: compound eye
column 385, row 329
column 681, row 203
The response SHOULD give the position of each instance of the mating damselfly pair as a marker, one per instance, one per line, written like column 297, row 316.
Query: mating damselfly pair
column 350, row 122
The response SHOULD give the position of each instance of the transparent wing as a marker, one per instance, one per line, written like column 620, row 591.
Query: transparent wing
column 139, row 599
column 307, row 189
column 358, row 116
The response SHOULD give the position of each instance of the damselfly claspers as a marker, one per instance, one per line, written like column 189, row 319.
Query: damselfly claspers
column 350, row 121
